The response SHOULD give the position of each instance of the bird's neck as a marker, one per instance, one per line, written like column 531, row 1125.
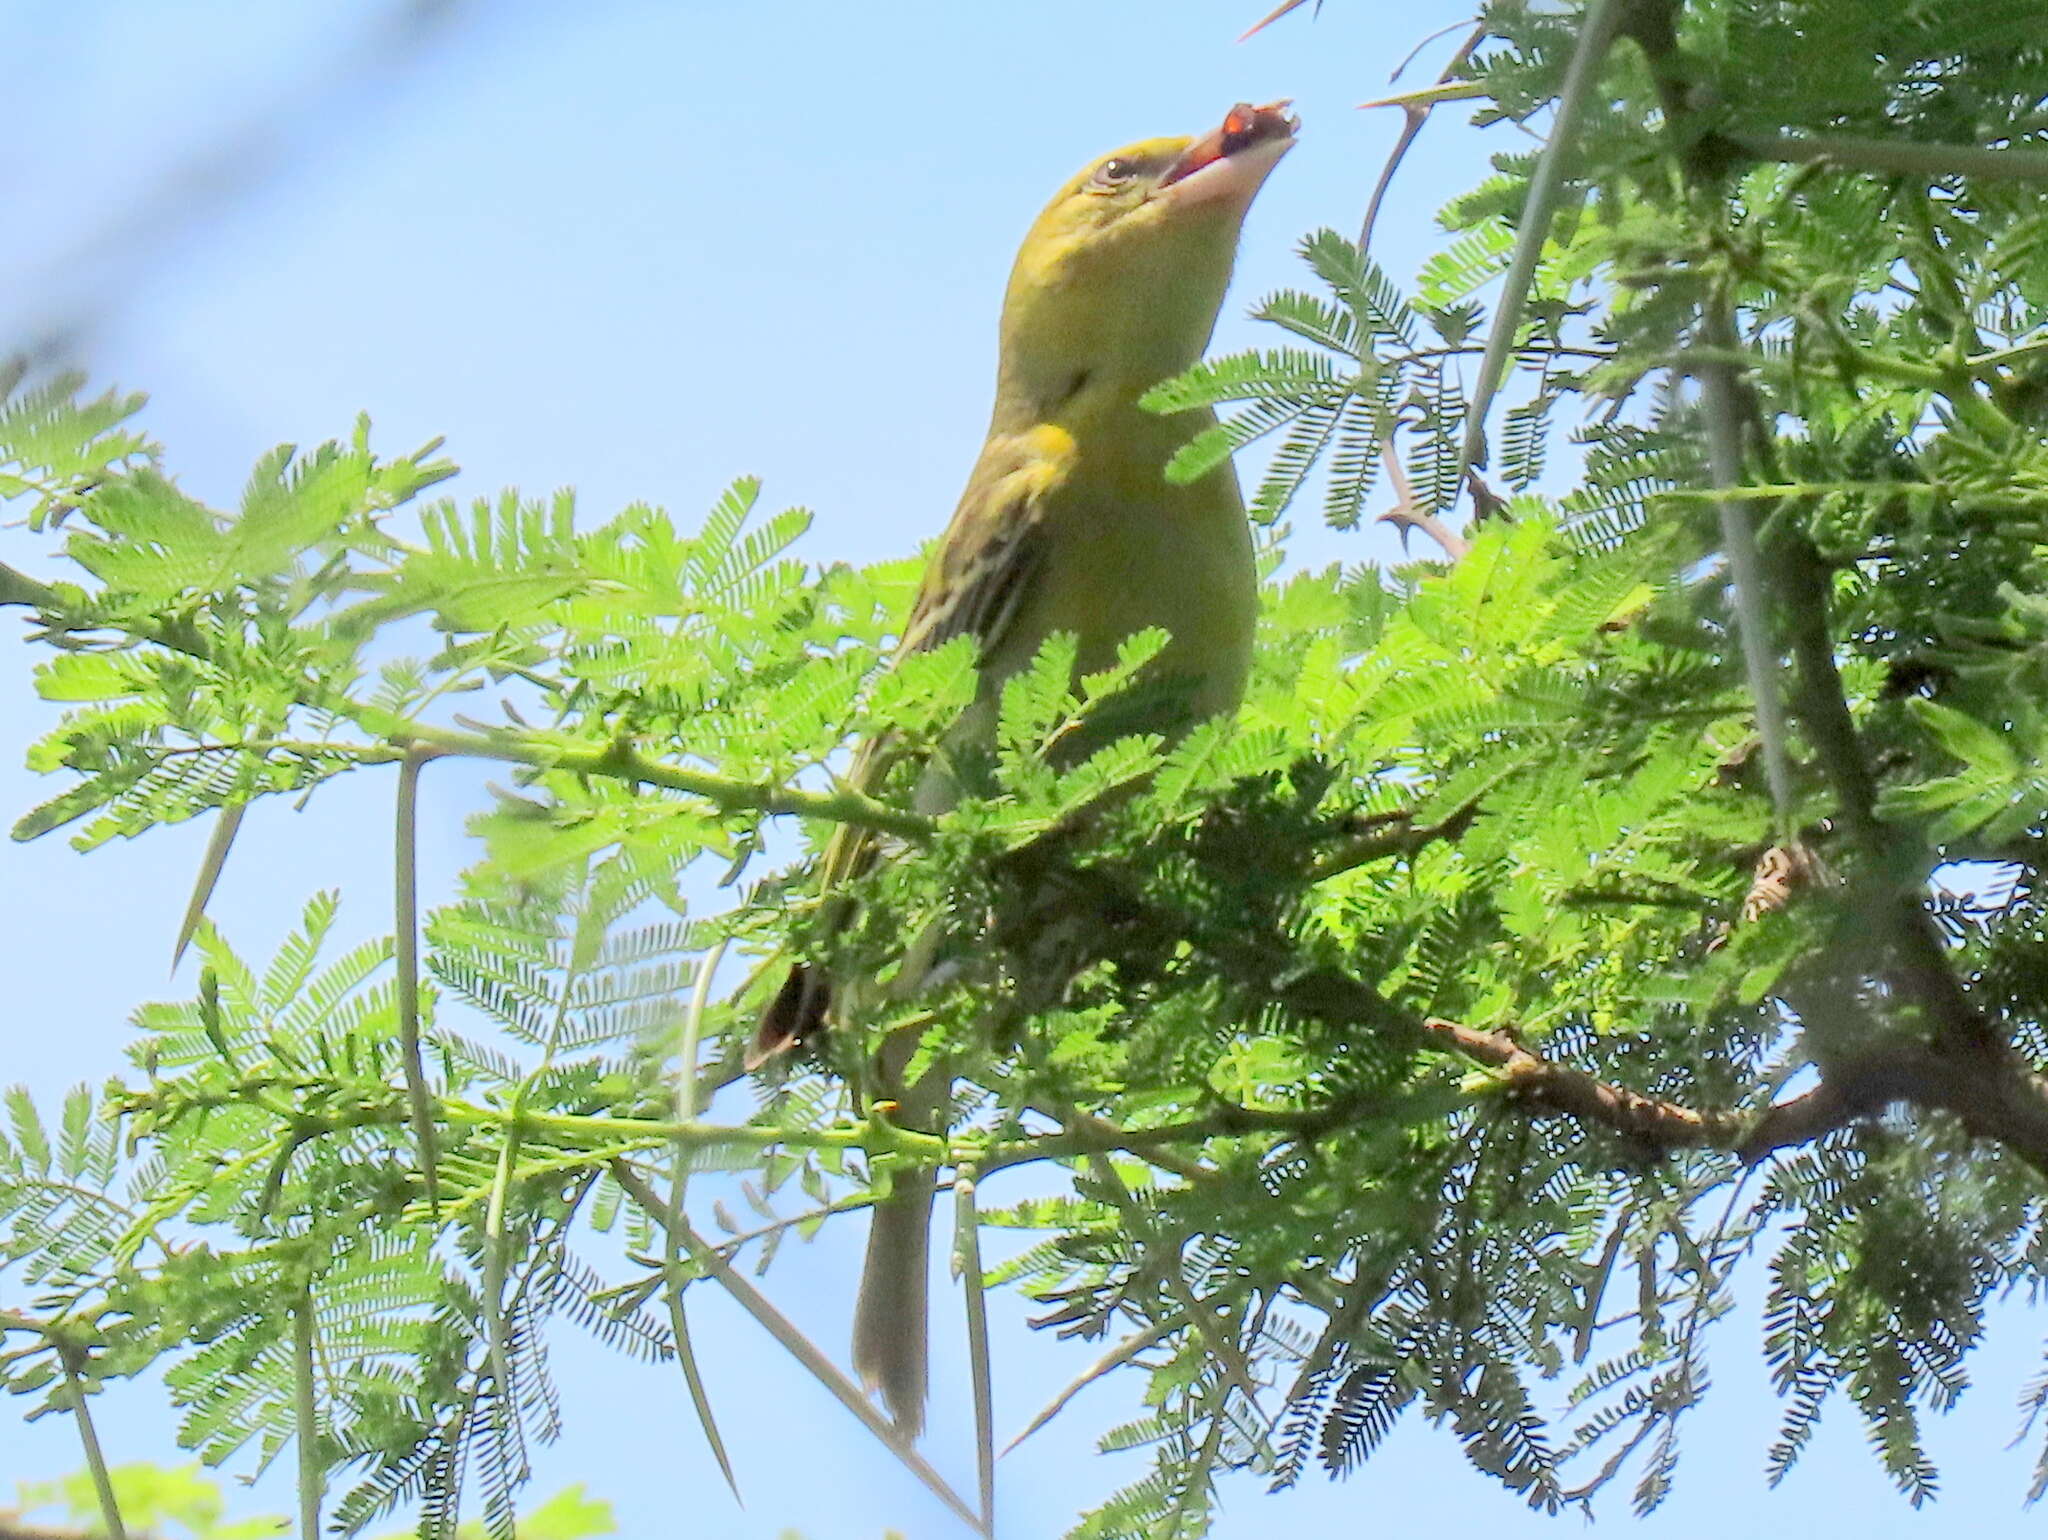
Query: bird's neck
column 1086, row 391
column 1081, row 346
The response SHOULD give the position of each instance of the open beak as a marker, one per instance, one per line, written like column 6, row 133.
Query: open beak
column 1234, row 160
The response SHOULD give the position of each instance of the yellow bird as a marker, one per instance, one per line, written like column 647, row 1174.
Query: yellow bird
column 1068, row 524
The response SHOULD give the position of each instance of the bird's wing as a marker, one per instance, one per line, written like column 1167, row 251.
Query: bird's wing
column 975, row 585
column 991, row 551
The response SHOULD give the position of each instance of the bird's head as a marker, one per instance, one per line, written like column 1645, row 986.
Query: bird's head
column 1118, row 283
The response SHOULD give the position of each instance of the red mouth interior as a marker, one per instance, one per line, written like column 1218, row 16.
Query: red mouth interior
column 1243, row 126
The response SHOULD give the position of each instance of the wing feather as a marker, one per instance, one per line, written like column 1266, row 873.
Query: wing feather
column 976, row 584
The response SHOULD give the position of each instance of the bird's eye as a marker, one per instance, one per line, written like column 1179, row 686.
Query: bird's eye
column 1114, row 172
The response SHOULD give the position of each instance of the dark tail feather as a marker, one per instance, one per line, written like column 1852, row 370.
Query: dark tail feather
column 794, row 1016
column 890, row 1318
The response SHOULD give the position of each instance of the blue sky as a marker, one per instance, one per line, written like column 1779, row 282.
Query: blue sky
column 641, row 249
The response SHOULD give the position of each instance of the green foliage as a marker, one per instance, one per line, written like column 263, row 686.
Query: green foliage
column 175, row 1502
column 1413, row 1044
column 179, row 1503
column 54, row 448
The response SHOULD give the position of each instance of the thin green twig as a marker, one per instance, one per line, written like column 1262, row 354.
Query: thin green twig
column 621, row 762
column 686, row 1112
column 1596, row 34
column 1898, row 157
column 405, row 868
column 1738, row 537
column 497, row 1264
column 89, row 1438
column 967, row 1243
column 795, row 1343
column 306, row 1417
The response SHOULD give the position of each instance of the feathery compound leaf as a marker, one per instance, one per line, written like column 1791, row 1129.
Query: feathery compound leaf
column 54, row 448
column 1306, row 440
column 1461, row 269
column 1362, row 1413
column 1283, row 373
column 1332, row 326
column 1372, row 298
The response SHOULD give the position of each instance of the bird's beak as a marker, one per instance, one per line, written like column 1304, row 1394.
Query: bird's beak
column 1234, row 160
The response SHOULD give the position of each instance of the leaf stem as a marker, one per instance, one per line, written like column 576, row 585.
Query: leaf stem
column 793, row 1341
column 650, row 1131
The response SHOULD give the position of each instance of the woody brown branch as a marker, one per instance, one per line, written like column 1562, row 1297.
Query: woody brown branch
column 1407, row 513
column 1986, row 1087
column 1990, row 1091
column 1559, row 1088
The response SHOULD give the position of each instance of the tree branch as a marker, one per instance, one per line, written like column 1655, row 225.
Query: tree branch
column 1393, row 834
column 1889, row 888
column 1559, row 1088
column 619, row 761
column 1407, row 514
column 1416, row 113
column 20, row 588
column 1984, row 1084
column 1990, row 1091
column 1897, row 157
column 1719, row 400
column 1912, row 956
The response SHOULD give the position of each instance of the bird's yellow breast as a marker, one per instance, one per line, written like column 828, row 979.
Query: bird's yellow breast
column 1125, row 550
